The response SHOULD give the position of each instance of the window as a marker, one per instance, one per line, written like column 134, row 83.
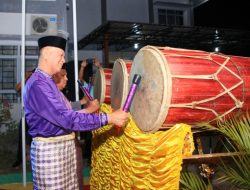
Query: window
column 170, row 17
column 8, row 50
column 30, row 64
column 8, row 97
column 10, row 69
column 8, row 77
column 30, row 50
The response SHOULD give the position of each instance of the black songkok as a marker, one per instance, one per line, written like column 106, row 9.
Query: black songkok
column 54, row 41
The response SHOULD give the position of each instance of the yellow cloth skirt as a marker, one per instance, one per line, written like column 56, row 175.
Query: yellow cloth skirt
column 127, row 158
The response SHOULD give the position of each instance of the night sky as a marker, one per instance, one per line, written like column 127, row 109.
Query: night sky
column 224, row 14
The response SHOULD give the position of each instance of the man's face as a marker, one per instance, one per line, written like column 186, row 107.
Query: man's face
column 55, row 58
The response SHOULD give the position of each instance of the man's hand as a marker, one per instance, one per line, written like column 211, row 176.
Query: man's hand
column 84, row 100
column 118, row 118
column 93, row 106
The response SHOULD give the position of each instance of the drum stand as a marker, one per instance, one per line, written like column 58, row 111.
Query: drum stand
column 207, row 161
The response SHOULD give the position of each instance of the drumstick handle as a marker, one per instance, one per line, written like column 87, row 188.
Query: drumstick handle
column 89, row 87
column 135, row 83
column 85, row 91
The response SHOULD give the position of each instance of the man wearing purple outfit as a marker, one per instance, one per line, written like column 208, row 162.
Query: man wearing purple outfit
column 52, row 124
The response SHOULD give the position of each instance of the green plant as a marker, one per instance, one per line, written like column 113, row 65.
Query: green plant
column 4, row 111
column 237, row 132
column 8, row 137
column 191, row 181
column 8, row 133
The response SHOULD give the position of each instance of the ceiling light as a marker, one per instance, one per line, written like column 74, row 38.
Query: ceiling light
column 136, row 46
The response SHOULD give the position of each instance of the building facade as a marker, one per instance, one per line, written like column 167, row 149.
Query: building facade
column 55, row 17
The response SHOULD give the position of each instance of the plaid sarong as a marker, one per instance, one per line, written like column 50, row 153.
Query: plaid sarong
column 54, row 165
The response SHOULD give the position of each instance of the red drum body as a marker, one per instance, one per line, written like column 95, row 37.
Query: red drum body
column 187, row 86
column 102, row 85
column 119, row 82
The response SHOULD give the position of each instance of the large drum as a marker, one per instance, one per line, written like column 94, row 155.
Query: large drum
column 102, row 85
column 119, row 82
column 187, row 86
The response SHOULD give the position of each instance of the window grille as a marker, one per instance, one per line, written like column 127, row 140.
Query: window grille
column 170, row 17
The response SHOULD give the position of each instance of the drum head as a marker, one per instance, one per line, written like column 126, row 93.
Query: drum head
column 99, row 85
column 151, row 102
column 119, row 84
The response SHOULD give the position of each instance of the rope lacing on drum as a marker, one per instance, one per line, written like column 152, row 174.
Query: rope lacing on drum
column 239, row 104
column 214, row 76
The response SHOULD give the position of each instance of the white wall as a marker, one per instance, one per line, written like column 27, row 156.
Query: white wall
column 88, row 17
column 11, row 24
column 89, row 13
column 184, row 5
column 128, row 10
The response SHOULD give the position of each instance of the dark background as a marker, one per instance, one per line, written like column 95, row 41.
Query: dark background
column 229, row 15
column 223, row 14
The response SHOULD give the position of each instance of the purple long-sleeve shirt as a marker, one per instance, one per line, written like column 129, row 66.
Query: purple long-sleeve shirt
column 47, row 114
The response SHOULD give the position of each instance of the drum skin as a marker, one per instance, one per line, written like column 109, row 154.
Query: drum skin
column 188, row 86
column 102, row 85
column 119, row 82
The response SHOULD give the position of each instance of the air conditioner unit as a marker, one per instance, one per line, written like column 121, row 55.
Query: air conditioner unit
column 43, row 24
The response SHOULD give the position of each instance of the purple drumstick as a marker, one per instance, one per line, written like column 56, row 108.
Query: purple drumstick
column 135, row 83
column 85, row 91
column 89, row 87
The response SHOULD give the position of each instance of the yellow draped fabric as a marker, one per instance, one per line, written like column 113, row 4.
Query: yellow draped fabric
column 127, row 158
